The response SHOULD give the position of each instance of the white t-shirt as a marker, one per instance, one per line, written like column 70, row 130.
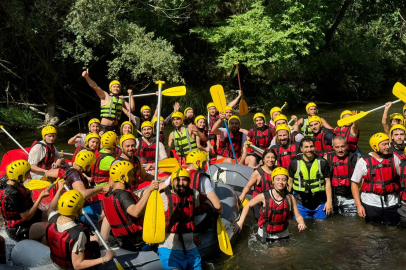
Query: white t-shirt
column 80, row 243
column 371, row 198
column 224, row 135
column 80, row 141
column 162, row 151
column 37, row 153
column 205, row 184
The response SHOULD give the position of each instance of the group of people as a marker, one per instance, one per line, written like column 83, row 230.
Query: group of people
column 307, row 169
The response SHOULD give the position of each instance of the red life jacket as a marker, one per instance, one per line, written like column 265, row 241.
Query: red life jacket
column 293, row 136
column 261, row 139
column 264, row 185
column 195, row 181
column 399, row 153
column 381, row 178
column 205, row 132
column 117, row 152
column 352, row 142
column 48, row 160
column 224, row 148
column 340, row 169
column 320, row 143
column 12, row 218
column 121, row 223
column 146, row 152
column 61, row 243
column 403, row 180
column 162, row 137
column 212, row 119
column 98, row 175
column 274, row 217
column 180, row 212
column 284, row 156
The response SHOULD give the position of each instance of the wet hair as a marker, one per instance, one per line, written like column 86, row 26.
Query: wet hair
column 306, row 139
column 267, row 152
column 340, row 138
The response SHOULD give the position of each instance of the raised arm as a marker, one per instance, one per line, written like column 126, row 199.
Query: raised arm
column 235, row 101
column 100, row 93
column 53, row 206
column 385, row 117
column 215, row 129
column 137, row 209
column 325, row 124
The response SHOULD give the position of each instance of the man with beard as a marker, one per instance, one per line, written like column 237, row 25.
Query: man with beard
column 342, row 164
column 183, row 138
column 181, row 205
column 380, row 170
column 309, row 176
column 285, row 149
column 124, row 210
column 397, row 146
column 146, row 114
column 295, row 136
column 260, row 136
column 322, row 137
column 146, row 145
column 111, row 105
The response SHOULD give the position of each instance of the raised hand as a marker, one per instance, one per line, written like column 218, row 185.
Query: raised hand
column 85, row 74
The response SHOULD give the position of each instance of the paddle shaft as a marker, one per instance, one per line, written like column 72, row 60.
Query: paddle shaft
column 141, row 95
column 283, row 106
column 158, row 124
column 383, row 106
column 129, row 109
column 11, row 137
column 97, row 232
column 231, row 143
column 259, row 150
column 238, row 75
column 208, row 153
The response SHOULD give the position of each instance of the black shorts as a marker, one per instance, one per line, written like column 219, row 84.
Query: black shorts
column 114, row 128
column 378, row 215
column 22, row 231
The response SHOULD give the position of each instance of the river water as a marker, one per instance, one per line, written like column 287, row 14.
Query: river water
column 334, row 243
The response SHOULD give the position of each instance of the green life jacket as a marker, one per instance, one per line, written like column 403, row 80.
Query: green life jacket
column 184, row 144
column 306, row 130
column 306, row 181
column 112, row 109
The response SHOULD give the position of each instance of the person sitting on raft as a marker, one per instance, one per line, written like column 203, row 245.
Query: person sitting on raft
column 380, row 171
column 181, row 205
column 322, row 137
column 70, row 243
column 200, row 123
column 277, row 207
column 311, row 110
column 275, row 111
column 43, row 156
column 260, row 179
column 295, row 135
column 22, row 218
column 111, row 105
column 350, row 132
column 189, row 114
column 161, row 128
column 92, row 144
column 124, row 210
column 394, row 118
column 79, row 140
column 397, row 145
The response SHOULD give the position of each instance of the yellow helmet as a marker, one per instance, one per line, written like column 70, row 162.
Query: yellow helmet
column 145, row 107
column 198, row 118
column 47, row 130
column 126, row 137
column 195, row 156
column 314, row 118
column 344, row 113
column 85, row 159
column 90, row 136
column 147, row 124
column 187, row 109
column 93, row 120
column 180, row 172
column 279, row 171
column 126, row 123
column 397, row 116
column 71, row 203
column 376, row 139
column 17, row 170
column 275, row 109
column 259, row 115
column 283, row 127
column 177, row 115
column 234, row 117
column 109, row 140
column 404, row 108
column 211, row 104
column 113, row 83
column 120, row 169
column 228, row 108
column 161, row 119
column 280, row 117
column 398, row 126
column 310, row 104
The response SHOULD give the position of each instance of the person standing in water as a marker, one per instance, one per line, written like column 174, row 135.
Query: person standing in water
column 311, row 110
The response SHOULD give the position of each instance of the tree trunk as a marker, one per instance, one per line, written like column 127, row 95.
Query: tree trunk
column 333, row 28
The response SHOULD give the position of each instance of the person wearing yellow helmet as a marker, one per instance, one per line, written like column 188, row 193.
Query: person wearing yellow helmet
column 69, row 240
column 322, row 137
column 125, row 210
column 260, row 136
column 397, row 145
column 303, row 123
column 181, row 205
column 378, row 172
column 17, row 208
column 92, row 143
column 126, row 128
column 277, row 207
column 111, row 104
column 161, row 128
column 146, row 146
column 350, row 132
column 79, row 139
column 200, row 123
column 189, row 116
column 295, row 136
column 394, row 118
column 309, row 177
column 183, row 138
column 260, row 179
column 43, row 156
column 284, row 148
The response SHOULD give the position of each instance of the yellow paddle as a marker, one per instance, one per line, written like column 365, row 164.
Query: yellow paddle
column 37, row 184
column 223, row 238
column 169, row 165
column 399, row 90
column 175, row 91
column 243, row 107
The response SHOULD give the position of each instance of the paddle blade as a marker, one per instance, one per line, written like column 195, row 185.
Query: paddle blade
column 219, row 99
column 243, row 108
column 351, row 119
column 175, row 91
column 154, row 220
column 224, row 241
column 37, row 184
column 399, row 90
column 169, row 165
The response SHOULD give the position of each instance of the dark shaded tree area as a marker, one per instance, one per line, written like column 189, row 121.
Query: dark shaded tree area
column 288, row 50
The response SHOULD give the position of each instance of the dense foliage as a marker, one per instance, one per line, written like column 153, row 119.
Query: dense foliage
column 288, row 50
